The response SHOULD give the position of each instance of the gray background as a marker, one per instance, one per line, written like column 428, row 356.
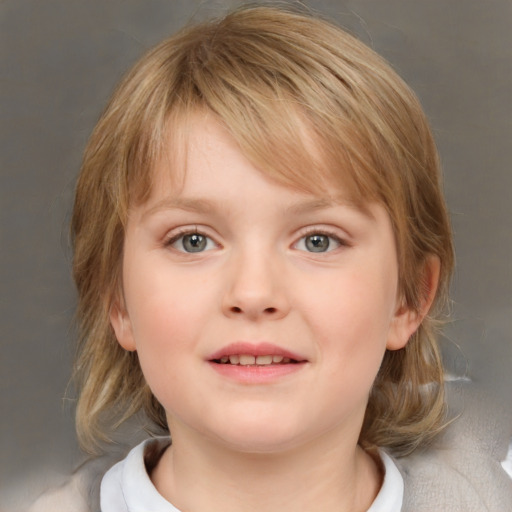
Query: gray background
column 60, row 59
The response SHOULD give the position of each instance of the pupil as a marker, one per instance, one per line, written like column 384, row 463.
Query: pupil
column 317, row 243
column 194, row 243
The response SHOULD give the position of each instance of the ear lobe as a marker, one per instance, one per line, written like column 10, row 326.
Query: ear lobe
column 406, row 320
column 404, row 325
column 120, row 322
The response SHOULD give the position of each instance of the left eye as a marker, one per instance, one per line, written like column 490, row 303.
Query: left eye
column 318, row 242
column 192, row 242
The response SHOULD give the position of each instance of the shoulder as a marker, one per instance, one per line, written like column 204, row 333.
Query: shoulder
column 462, row 471
column 79, row 492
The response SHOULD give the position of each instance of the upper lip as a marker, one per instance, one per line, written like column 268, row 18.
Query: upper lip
column 254, row 349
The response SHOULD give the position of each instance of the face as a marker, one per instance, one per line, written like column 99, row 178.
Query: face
column 260, row 314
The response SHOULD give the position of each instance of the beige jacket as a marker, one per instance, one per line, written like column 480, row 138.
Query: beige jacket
column 460, row 472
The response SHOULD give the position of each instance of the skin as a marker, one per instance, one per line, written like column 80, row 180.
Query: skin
column 289, row 443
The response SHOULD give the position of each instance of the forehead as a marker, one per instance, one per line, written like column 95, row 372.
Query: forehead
column 202, row 143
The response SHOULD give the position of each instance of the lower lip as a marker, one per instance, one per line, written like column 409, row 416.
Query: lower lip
column 257, row 374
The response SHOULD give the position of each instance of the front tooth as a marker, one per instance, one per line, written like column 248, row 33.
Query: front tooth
column 277, row 359
column 247, row 360
column 235, row 359
column 264, row 360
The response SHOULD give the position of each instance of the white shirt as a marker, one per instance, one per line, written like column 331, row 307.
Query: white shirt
column 126, row 487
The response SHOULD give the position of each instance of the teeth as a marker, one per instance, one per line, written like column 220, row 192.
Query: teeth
column 248, row 360
column 264, row 360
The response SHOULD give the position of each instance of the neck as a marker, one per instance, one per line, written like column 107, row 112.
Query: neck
column 328, row 475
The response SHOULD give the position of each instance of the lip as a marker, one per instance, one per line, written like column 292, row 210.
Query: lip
column 255, row 349
column 256, row 374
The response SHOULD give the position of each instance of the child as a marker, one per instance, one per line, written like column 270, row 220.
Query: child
column 262, row 255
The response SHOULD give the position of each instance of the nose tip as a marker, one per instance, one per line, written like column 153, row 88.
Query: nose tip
column 255, row 289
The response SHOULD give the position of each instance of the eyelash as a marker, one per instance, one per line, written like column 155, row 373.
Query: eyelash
column 172, row 239
column 322, row 232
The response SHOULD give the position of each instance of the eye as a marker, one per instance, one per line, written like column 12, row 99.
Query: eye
column 318, row 242
column 191, row 242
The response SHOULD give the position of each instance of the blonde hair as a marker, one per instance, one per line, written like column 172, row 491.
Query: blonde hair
column 271, row 76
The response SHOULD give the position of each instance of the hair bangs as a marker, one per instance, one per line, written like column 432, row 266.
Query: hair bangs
column 288, row 135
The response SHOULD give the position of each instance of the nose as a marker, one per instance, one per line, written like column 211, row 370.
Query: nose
column 255, row 288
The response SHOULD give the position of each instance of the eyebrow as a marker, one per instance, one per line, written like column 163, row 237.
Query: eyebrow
column 322, row 203
column 200, row 205
column 181, row 203
column 308, row 206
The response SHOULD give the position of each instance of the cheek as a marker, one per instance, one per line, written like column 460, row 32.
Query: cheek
column 164, row 303
column 165, row 338
column 166, row 314
column 353, row 321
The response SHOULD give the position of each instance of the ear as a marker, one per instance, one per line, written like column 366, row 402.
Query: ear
column 406, row 320
column 122, row 326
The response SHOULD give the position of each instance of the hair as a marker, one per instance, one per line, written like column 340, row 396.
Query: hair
column 277, row 79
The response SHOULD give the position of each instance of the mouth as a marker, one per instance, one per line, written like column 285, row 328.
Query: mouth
column 252, row 360
column 256, row 362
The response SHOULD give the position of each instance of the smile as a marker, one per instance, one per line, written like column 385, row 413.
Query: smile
column 256, row 363
column 250, row 360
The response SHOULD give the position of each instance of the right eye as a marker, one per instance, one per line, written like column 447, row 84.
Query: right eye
column 319, row 242
column 191, row 242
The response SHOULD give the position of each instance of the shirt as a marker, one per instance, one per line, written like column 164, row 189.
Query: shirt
column 126, row 487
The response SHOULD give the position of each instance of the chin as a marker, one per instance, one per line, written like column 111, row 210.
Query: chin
column 258, row 437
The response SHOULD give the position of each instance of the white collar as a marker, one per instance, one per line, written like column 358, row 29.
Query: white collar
column 126, row 487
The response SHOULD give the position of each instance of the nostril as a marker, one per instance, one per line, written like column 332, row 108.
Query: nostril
column 236, row 309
